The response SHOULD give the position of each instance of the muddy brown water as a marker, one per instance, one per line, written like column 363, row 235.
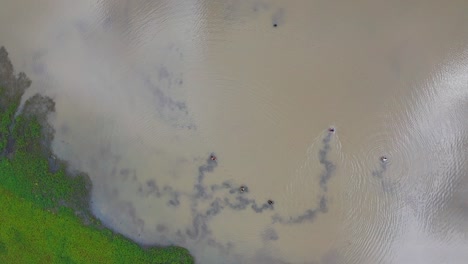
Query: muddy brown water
column 146, row 91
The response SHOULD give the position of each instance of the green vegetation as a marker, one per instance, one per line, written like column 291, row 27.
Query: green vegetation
column 32, row 235
column 44, row 212
column 6, row 118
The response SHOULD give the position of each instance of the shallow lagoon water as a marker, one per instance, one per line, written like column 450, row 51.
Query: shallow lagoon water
column 147, row 91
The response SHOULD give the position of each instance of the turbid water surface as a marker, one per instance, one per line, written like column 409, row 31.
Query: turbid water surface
column 148, row 91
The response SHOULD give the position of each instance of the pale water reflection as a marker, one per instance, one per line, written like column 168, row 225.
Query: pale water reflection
column 148, row 92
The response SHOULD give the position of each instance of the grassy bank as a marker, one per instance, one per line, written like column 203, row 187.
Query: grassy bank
column 44, row 212
column 30, row 234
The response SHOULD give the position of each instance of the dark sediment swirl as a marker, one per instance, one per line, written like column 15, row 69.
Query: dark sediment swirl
column 329, row 167
column 378, row 173
column 208, row 201
column 325, row 176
